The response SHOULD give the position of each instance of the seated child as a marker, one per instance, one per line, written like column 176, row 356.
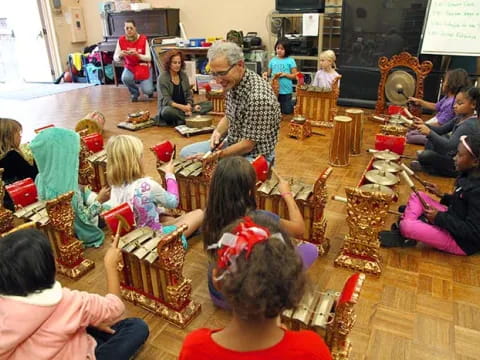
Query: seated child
column 453, row 223
column 125, row 173
column 12, row 160
column 40, row 319
column 260, row 274
column 232, row 196
column 455, row 80
column 56, row 152
column 442, row 141
column 326, row 74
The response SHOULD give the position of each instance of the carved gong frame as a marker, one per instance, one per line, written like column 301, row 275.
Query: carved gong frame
column 403, row 59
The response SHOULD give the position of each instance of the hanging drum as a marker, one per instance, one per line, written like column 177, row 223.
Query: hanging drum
column 400, row 85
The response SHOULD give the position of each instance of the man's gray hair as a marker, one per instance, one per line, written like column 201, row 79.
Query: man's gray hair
column 230, row 50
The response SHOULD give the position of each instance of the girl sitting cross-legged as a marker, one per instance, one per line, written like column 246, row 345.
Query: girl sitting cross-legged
column 453, row 224
column 40, row 319
column 125, row 174
column 260, row 274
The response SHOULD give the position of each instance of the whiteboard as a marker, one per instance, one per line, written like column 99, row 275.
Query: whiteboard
column 452, row 27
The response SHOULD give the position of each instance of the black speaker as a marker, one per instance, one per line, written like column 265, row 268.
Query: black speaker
column 358, row 86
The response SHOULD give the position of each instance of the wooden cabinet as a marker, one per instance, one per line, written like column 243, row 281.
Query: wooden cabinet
column 152, row 23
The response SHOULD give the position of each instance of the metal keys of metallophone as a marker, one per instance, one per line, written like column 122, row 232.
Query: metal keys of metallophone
column 314, row 312
column 269, row 198
column 192, row 186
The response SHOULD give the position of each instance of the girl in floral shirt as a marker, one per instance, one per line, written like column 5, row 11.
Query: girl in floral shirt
column 147, row 198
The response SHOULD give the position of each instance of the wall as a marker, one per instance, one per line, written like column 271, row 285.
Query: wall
column 93, row 26
column 216, row 17
column 200, row 19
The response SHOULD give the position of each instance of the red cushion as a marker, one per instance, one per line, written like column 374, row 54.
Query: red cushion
column 22, row 192
column 163, row 151
column 260, row 164
column 351, row 287
column 94, row 142
column 122, row 213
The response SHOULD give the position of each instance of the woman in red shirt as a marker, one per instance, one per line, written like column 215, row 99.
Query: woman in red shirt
column 260, row 274
column 132, row 48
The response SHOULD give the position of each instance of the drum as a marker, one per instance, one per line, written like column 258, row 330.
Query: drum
column 341, row 140
column 357, row 116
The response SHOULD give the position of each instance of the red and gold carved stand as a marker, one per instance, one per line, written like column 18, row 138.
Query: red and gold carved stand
column 339, row 329
column 366, row 214
column 300, row 131
column 403, row 59
column 160, row 287
column 68, row 249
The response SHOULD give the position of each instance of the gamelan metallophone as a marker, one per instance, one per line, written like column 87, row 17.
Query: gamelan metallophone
column 314, row 312
column 151, row 275
column 193, row 178
column 98, row 161
column 330, row 314
column 318, row 106
column 55, row 218
column 311, row 200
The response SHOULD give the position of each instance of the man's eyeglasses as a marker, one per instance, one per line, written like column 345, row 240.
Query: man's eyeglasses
column 222, row 73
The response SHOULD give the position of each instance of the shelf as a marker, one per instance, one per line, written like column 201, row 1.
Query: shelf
column 304, row 57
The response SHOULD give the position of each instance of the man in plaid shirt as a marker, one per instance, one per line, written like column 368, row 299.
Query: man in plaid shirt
column 252, row 115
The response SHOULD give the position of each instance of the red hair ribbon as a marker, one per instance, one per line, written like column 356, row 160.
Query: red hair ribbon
column 244, row 237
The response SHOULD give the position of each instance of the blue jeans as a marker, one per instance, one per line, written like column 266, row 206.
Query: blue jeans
column 286, row 104
column 204, row 146
column 131, row 84
column 130, row 335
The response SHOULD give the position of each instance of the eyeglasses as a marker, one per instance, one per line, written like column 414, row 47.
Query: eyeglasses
column 222, row 73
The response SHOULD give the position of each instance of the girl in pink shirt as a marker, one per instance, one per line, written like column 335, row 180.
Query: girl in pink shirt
column 326, row 75
column 41, row 320
column 260, row 274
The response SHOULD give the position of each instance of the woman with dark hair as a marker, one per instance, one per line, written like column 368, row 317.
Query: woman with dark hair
column 40, row 319
column 175, row 97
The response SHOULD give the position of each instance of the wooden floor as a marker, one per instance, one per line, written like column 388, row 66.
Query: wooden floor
column 425, row 305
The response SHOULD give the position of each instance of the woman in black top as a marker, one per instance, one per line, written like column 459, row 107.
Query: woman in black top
column 175, row 97
column 15, row 166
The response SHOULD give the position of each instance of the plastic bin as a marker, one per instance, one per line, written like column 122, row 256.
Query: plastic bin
column 195, row 42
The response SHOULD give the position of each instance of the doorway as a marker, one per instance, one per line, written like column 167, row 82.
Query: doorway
column 24, row 53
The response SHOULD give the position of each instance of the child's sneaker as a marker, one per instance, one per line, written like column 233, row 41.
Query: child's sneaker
column 393, row 238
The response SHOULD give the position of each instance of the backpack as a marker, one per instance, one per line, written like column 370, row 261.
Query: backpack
column 235, row 37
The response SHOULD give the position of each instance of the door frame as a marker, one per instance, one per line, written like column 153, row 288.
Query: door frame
column 51, row 40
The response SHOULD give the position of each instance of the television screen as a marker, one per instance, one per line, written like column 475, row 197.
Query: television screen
column 300, row 5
